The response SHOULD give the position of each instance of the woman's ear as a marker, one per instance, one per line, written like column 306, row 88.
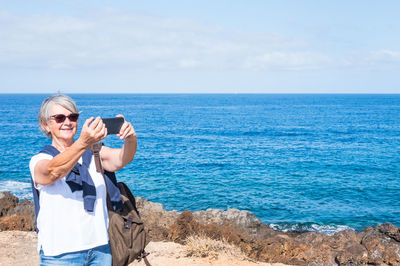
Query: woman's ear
column 46, row 126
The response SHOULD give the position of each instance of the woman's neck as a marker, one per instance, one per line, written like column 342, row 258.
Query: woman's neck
column 61, row 145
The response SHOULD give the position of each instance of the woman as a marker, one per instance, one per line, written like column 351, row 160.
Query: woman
column 73, row 227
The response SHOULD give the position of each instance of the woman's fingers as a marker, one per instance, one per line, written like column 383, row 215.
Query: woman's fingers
column 93, row 130
column 87, row 123
column 129, row 131
column 123, row 127
column 100, row 131
column 126, row 129
column 103, row 132
column 96, row 123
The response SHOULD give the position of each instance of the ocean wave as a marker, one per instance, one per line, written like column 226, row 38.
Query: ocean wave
column 294, row 132
column 309, row 227
column 22, row 190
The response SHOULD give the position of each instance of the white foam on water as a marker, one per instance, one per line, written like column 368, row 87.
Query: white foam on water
column 325, row 229
column 22, row 190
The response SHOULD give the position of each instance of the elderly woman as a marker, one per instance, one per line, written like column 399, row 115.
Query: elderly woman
column 72, row 228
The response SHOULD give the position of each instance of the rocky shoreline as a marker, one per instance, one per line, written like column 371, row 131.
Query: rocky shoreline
column 372, row 246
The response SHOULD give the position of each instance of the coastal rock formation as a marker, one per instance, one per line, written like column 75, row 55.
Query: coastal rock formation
column 242, row 220
column 372, row 246
column 156, row 219
column 15, row 215
column 7, row 202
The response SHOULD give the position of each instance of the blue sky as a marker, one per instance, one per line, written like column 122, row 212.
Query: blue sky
column 199, row 46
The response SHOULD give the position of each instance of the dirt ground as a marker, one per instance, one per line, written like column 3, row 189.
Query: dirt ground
column 18, row 248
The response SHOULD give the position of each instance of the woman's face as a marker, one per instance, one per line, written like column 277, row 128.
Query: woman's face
column 63, row 131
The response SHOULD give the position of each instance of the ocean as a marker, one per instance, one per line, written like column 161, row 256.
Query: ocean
column 316, row 162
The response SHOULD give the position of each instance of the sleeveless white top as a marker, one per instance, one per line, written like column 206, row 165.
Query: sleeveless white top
column 64, row 225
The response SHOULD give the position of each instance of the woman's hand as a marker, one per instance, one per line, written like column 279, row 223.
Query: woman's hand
column 115, row 159
column 127, row 131
column 93, row 130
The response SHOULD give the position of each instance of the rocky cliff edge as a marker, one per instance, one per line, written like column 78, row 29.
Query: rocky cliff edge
column 372, row 246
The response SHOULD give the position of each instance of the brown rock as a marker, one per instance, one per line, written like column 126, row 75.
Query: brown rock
column 153, row 212
column 14, row 215
column 25, row 207
column 373, row 246
column 352, row 255
column 155, row 218
column 343, row 248
column 345, row 236
column 7, row 202
column 242, row 220
column 389, row 230
column 381, row 248
column 259, row 242
column 17, row 222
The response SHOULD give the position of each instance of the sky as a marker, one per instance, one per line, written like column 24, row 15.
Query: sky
column 253, row 46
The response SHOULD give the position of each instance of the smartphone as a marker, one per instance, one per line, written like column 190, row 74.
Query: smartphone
column 113, row 125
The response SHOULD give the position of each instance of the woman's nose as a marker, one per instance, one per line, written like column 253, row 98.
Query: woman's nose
column 67, row 121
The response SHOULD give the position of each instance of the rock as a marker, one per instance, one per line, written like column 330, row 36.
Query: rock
column 353, row 254
column 154, row 213
column 372, row 246
column 14, row 215
column 241, row 219
column 381, row 248
column 390, row 230
column 17, row 222
column 378, row 246
column 7, row 202
column 155, row 218
column 25, row 207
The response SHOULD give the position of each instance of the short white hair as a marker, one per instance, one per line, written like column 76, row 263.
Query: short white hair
column 44, row 113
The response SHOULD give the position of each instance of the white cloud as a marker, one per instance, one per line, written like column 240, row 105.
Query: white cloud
column 379, row 59
column 384, row 56
column 114, row 39
column 188, row 63
column 289, row 60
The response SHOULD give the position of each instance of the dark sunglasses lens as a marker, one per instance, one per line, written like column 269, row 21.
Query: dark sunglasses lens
column 73, row 117
column 60, row 118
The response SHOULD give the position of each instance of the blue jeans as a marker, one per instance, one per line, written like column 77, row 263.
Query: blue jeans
column 95, row 256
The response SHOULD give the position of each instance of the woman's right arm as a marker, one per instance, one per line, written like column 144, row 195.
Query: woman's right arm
column 49, row 171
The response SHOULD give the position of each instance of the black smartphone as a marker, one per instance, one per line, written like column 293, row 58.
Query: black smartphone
column 113, row 125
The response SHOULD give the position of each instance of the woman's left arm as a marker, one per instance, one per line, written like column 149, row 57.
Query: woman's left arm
column 115, row 159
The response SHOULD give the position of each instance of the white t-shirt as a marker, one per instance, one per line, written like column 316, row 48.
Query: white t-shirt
column 64, row 225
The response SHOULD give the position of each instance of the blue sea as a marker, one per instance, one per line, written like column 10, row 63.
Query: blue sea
column 313, row 162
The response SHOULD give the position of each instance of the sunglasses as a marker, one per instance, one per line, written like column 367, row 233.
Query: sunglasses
column 61, row 118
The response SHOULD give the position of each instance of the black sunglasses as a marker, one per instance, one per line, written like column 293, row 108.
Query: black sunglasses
column 61, row 118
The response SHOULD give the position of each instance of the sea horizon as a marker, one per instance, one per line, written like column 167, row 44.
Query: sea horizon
column 200, row 93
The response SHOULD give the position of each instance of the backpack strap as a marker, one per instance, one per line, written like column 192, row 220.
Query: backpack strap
column 99, row 168
column 113, row 193
column 96, row 153
column 36, row 202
